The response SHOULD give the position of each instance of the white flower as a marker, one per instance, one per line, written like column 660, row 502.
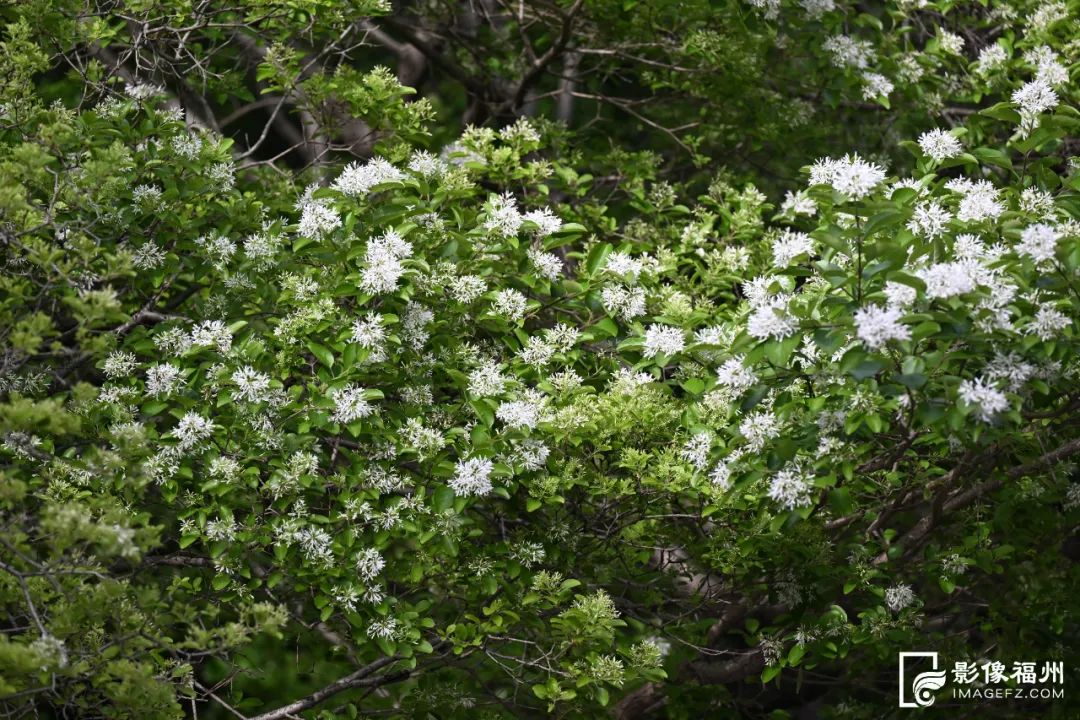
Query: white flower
column 851, row 176
column 620, row 263
column 721, row 476
column 510, row 304
column 487, row 380
column 472, row 477
column 193, row 429
column 1036, row 201
column 251, row 385
column 770, row 8
column 799, row 203
column 1034, row 98
column 1010, row 367
column 1039, row 242
column 876, row 325
column 537, row 351
column 758, row 428
column 623, row 302
column 815, row 9
column 991, row 58
column 950, row 42
column 847, row 52
column 519, row 414
column 427, row 165
column 142, row 91
column 789, row 246
column 385, row 628
column 733, row 375
column 212, row 333
column 224, row 468
column 772, row 319
column 663, row 339
column 466, row 288
column 369, row 563
column 530, row 454
column 696, row 450
column 383, row 258
column 988, row 399
column 370, row 334
column 503, row 217
column 356, row 179
column 899, row 597
column 521, row 132
column 1048, row 322
column 1072, row 497
column 875, row 85
column 548, row 265
column 547, row 223
column 979, row 202
column 350, row 405
column 162, row 380
column 790, row 487
column 317, row 219
column 940, row 145
column 900, row 295
column 944, row 280
column 929, row 220
column 221, row 529
column 626, row 381
column 118, row 364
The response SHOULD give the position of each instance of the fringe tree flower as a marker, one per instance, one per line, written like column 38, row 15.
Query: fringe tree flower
column 789, row 246
column 663, row 340
column 876, row 325
column 990, row 59
column 940, row 145
column 251, row 385
column 772, row 320
column 369, row 563
column 547, row 265
column 929, row 220
column 899, row 597
column 720, row 476
column 193, row 429
column 510, row 304
column 487, row 380
column 731, row 374
column 383, row 259
column 357, row 180
column 790, row 487
column 1038, row 242
column 944, row 280
column 1048, row 323
column 546, row 222
column 503, row 217
column 847, row 52
column 875, row 85
column 350, row 404
column 851, row 176
column 472, row 477
column 987, row 399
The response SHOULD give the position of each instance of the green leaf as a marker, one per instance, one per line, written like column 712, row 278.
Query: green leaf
column 597, row 256
column 769, row 673
column 442, row 499
column 322, row 353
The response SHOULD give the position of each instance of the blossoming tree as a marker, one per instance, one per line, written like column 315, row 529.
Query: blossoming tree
column 456, row 428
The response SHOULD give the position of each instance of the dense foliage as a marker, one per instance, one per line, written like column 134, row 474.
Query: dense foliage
column 632, row 359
